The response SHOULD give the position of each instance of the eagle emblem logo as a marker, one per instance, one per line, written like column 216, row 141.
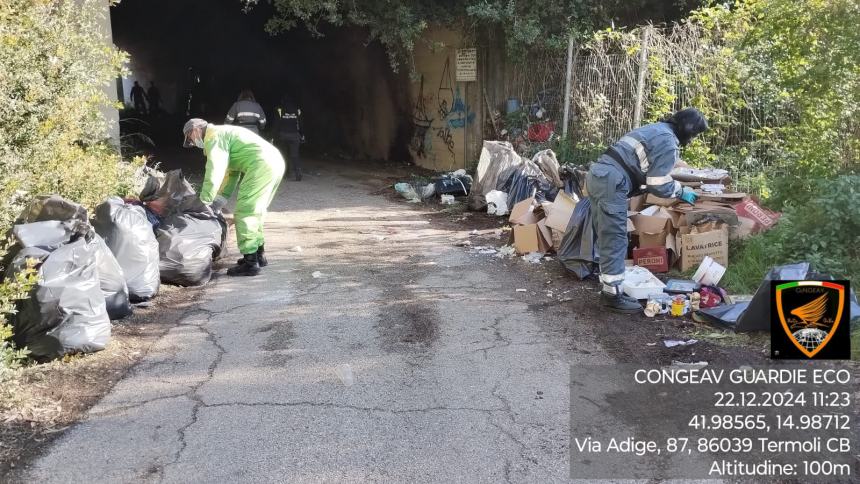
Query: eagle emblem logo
column 810, row 312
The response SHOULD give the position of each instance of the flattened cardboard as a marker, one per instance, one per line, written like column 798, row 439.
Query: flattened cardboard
column 523, row 213
column 695, row 246
column 561, row 212
column 546, row 235
column 655, row 259
column 764, row 218
column 652, row 199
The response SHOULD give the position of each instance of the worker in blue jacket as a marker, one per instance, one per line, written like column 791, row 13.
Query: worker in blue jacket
column 641, row 161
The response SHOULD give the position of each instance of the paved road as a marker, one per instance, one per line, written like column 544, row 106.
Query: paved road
column 455, row 378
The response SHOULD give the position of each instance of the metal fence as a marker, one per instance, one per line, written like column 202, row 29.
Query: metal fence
column 610, row 94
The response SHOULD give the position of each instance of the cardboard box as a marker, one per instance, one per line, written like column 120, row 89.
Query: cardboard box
column 655, row 259
column 528, row 238
column 652, row 199
column 636, row 204
column 764, row 218
column 546, row 235
column 696, row 245
column 523, row 213
column 653, row 225
column 561, row 212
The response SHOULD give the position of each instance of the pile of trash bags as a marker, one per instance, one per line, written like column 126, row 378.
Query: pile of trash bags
column 500, row 168
column 90, row 273
column 80, row 283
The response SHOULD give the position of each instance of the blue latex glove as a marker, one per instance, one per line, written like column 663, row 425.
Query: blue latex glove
column 689, row 196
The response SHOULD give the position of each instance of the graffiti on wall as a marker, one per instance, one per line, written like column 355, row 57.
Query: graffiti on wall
column 422, row 142
column 452, row 113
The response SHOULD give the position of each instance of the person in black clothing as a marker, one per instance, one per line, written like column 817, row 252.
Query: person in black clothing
column 154, row 97
column 138, row 97
column 288, row 134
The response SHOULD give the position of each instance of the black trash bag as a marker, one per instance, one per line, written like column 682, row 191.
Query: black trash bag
column 112, row 281
column 526, row 180
column 165, row 195
column 755, row 316
column 454, row 185
column 188, row 244
column 48, row 217
column 578, row 249
column 53, row 207
column 66, row 312
column 127, row 232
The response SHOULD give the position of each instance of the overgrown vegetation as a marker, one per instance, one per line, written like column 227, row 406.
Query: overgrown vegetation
column 57, row 72
column 823, row 230
column 526, row 26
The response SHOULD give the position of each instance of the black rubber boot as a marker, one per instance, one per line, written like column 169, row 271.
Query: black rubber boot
column 248, row 267
column 298, row 174
column 261, row 257
column 620, row 303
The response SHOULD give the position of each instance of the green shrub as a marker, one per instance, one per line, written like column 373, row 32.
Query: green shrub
column 823, row 230
column 57, row 71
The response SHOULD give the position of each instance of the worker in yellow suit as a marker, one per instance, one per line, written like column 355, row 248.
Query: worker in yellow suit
column 237, row 156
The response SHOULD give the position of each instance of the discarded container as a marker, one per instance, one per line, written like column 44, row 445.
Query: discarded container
column 447, row 199
column 640, row 282
column 709, row 272
column 680, row 305
column 681, row 286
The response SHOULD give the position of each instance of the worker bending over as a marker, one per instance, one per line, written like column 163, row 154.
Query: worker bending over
column 234, row 154
column 641, row 161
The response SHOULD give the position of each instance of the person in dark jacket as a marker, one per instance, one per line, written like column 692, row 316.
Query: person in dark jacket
column 288, row 134
column 641, row 161
column 247, row 113
column 138, row 97
column 154, row 97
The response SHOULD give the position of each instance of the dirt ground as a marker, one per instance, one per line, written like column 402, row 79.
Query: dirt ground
column 43, row 400
column 47, row 399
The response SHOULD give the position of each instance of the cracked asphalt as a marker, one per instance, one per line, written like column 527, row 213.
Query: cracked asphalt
column 455, row 376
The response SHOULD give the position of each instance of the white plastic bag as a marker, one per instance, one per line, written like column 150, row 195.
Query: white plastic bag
column 497, row 203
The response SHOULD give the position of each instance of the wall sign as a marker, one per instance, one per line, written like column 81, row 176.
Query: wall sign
column 467, row 65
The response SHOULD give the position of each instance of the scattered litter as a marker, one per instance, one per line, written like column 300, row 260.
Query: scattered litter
column 713, row 188
column 408, row 192
column 671, row 343
column 317, row 274
column 296, row 249
column 533, row 257
column 447, row 200
column 474, row 232
column 650, row 344
column 717, row 335
column 680, row 286
column 521, row 290
column 507, row 251
column 463, row 243
column 344, row 372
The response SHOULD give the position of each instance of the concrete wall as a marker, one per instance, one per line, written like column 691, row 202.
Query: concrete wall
column 446, row 114
column 110, row 114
